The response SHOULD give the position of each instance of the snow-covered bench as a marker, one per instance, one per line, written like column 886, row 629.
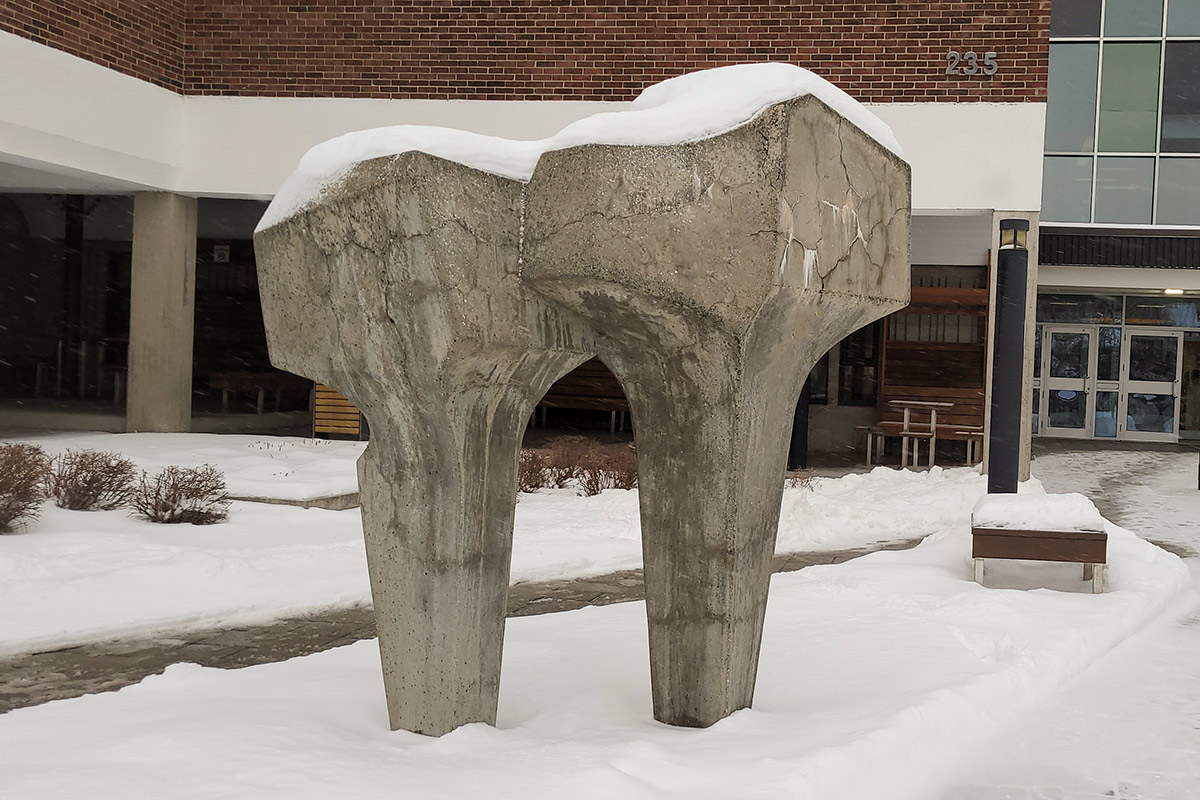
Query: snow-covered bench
column 1040, row 527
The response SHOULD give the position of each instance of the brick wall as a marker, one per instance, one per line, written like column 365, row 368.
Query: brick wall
column 572, row 49
column 136, row 37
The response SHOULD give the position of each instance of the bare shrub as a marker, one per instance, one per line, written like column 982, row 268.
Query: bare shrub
column 89, row 480
column 566, row 457
column 613, row 467
column 593, row 480
column 181, row 494
column 800, row 479
column 23, row 472
column 533, row 471
column 622, row 465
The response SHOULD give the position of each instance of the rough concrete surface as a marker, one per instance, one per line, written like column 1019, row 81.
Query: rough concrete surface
column 709, row 276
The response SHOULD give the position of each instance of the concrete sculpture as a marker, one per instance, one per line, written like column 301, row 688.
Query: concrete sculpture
column 709, row 262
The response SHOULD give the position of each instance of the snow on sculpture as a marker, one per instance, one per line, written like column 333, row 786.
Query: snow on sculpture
column 709, row 244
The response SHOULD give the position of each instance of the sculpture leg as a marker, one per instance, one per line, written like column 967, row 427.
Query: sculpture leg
column 711, row 481
column 438, row 530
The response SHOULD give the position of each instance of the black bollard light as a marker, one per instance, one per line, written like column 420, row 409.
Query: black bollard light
column 1008, row 358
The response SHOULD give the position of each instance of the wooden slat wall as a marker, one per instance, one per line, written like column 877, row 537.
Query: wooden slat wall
column 949, row 371
column 333, row 413
column 591, row 385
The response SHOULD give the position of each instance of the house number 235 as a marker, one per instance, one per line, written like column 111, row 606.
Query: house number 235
column 969, row 63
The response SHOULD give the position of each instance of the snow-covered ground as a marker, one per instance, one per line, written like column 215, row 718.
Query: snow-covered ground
column 890, row 676
column 72, row 576
column 876, row 677
column 280, row 467
column 1127, row 728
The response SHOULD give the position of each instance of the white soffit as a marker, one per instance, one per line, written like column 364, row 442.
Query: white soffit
column 1093, row 279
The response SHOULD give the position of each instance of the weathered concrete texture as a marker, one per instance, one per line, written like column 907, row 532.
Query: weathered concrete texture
column 161, row 313
column 709, row 276
column 714, row 275
column 403, row 291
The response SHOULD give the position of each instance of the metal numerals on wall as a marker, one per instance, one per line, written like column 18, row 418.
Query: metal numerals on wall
column 970, row 63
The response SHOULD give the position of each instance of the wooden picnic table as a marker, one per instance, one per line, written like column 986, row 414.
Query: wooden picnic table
column 910, row 430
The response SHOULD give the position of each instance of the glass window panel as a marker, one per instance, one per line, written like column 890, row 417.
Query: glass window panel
column 1129, row 97
column 858, row 372
column 1124, row 189
column 1075, row 18
column 1036, row 411
column 1176, row 312
column 1066, row 409
column 1071, row 102
column 1085, row 308
column 1037, row 352
column 1151, row 412
column 1153, row 358
column 1067, row 189
column 1181, row 98
column 1106, row 415
column 1108, row 364
column 1133, row 17
column 1179, row 191
column 1183, row 18
column 818, row 382
column 1069, row 355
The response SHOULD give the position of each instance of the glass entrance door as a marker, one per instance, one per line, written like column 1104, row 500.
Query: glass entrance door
column 1068, row 401
column 1149, row 403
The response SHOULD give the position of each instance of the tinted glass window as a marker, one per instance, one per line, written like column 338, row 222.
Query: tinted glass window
column 1088, row 308
column 1133, row 18
column 1179, row 191
column 1124, row 190
column 1071, row 106
column 1175, row 312
column 1181, row 98
column 1108, row 363
column 1075, row 18
column 1067, row 189
column 1183, row 18
column 1129, row 97
column 1106, row 414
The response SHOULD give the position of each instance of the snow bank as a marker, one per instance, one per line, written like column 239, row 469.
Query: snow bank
column 84, row 576
column 688, row 108
column 1032, row 512
column 105, row 574
column 876, row 676
column 280, row 467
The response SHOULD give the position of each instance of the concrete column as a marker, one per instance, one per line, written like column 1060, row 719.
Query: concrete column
column 1030, row 327
column 161, row 313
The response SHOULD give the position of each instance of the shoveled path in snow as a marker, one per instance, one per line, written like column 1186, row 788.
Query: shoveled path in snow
column 30, row 680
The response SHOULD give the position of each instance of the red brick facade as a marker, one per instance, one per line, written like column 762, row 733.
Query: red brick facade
column 140, row 38
column 544, row 49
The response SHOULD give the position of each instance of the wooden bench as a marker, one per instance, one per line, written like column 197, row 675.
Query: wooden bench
column 879, row 433
column 334, row 414
column 257, row 382
column 1002, row 526
column 1089, row 548
column 590, row 386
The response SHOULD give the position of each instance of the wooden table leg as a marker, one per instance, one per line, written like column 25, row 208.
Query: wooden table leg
column 932, row 434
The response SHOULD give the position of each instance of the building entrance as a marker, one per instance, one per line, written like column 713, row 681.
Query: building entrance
column 1098, row 381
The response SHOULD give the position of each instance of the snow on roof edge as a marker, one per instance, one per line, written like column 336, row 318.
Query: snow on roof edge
column 687, row 108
